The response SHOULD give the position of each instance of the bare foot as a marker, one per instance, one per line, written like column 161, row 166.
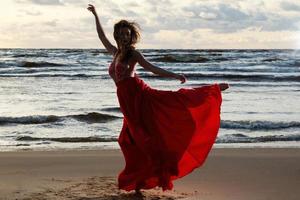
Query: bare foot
column 138, row 192
column 223, row 86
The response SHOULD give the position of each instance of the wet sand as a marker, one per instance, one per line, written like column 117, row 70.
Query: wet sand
column 228, row 173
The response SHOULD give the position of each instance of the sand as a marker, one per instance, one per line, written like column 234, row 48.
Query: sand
column 228, row 173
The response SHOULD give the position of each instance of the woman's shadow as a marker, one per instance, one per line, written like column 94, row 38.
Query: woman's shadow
column 131, row 196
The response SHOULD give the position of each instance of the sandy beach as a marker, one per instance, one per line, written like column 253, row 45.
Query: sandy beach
column 246, row 173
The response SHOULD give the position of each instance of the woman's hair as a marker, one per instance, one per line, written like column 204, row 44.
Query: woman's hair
column 135, row 37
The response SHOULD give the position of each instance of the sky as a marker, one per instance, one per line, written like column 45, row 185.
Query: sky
column 165, row 24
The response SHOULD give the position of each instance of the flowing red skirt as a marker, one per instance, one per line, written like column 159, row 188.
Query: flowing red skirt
column 165, row 134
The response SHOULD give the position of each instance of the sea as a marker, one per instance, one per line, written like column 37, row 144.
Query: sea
column 53, row 99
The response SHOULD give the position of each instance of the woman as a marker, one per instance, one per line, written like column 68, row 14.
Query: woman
column 165, row 134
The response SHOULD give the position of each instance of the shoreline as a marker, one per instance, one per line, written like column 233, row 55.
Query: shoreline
column 279, row 145
column 228, row 173
column 90, row 150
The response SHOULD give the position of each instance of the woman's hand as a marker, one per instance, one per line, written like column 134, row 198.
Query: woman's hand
column 92, row 9
column 181, row 77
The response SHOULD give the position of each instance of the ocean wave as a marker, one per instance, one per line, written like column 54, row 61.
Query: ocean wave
column 83, row 51
column 240, row 138
column 38, row 55
column 112, row 109
column 98, row 51
column 180, row 59
column 275, row 59
column 228, row 138
column 69, row 139
column 296, row 63
column 29, row 64
column 52, row 75
column 238, row 84
column 248, row 77
column 73, row 50
column 258, row 125
column 29, row 119
column 92, row 117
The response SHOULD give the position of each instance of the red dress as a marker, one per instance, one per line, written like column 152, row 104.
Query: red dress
column 165, row 134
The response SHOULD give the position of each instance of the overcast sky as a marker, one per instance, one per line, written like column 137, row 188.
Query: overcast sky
column 195, row 24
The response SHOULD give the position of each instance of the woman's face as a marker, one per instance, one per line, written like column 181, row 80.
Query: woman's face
column 125, row 36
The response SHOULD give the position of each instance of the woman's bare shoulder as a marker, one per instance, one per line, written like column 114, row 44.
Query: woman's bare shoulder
column 136, row 54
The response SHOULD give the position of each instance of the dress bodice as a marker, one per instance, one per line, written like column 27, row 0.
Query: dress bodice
column 119, row 71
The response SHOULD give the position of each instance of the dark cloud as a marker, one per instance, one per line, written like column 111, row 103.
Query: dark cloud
column 289, row 6
column 221, row 12
column 52, row 23
column 225, row 18
column 220, row 18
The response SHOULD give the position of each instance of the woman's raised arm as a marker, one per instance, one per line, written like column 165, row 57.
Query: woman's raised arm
column 109, row 47
column 156, row 70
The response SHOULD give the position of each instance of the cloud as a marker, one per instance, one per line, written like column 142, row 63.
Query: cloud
column 251, row 37
column 42, row 2
column 220, row 11
column 234, row 17
column 133, row 4
column 48, row 2
column 195, row 23
column 55, row 2
column 31, row 12
column 51, row 23
column 207, row 15
column 289, row 6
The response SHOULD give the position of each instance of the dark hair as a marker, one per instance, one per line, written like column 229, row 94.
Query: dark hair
column 135, row 36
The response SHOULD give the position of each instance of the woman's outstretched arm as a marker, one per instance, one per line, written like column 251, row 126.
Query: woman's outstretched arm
column 156, row 70
column 109, row 47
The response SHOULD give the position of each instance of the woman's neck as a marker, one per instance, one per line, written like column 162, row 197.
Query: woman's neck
column 122, row 48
